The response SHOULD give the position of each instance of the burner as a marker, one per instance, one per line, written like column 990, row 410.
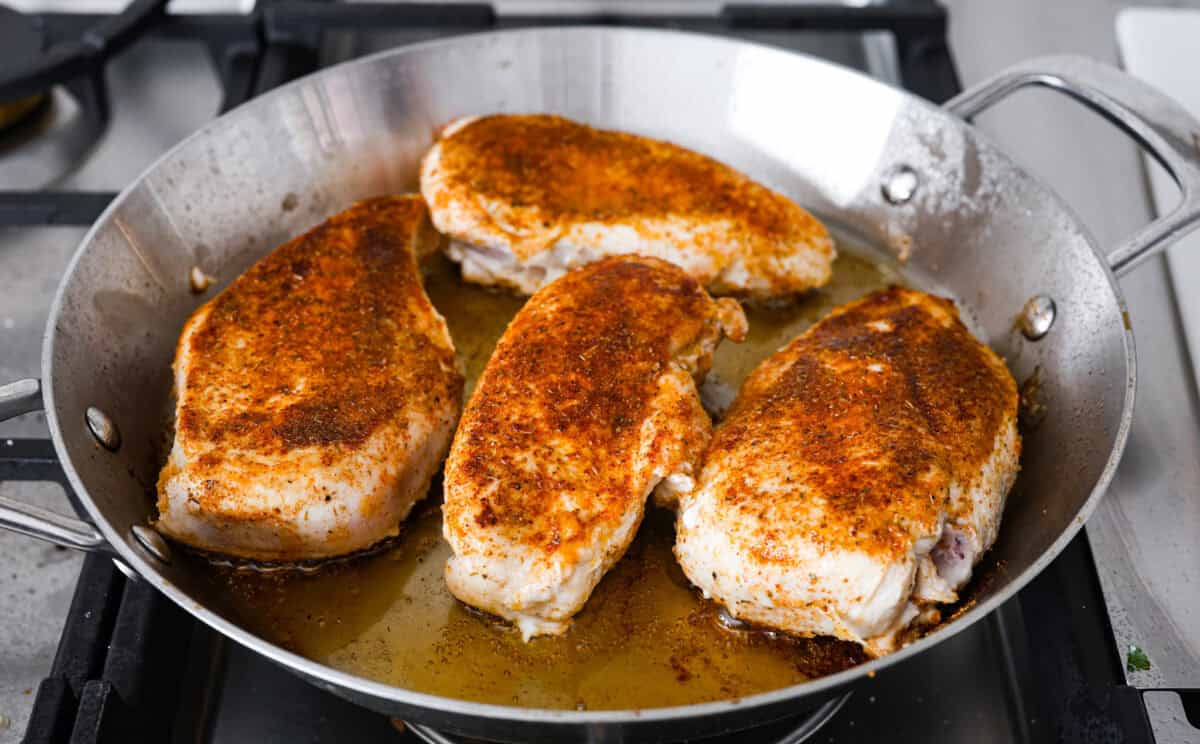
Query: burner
column 15, row 112
column 58, row 72
column 44, row 132
column 45, row 136
column 22, row 41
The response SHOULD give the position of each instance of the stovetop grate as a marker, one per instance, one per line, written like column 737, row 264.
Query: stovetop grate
column 133, row 667
column 281, row 40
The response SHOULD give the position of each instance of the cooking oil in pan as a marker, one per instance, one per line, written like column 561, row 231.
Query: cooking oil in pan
column 645, row 639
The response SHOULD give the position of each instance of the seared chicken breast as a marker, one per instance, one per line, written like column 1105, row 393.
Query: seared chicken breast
column 859, row 475
column 526, row 198
column 587, row 405
column 315, row 397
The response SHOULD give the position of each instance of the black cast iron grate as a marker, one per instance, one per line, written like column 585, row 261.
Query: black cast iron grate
column 280, row 41
column 131, row 666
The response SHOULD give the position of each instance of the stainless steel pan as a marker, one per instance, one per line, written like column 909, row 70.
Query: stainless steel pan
column 906, row 175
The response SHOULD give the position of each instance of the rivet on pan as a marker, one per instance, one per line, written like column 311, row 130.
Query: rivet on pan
column 900, row 184
column 198, row 281
column 1036, row 317
column 103, row 429
column 153, row 542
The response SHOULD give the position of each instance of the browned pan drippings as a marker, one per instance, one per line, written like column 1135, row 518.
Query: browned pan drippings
column 645, row 638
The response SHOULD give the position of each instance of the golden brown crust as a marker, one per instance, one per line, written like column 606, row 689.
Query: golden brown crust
column 879, row 406
column 321, row 342
column 551, row 173
column 559, row 410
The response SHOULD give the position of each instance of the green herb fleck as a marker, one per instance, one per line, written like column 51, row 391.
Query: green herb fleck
column 1136, row 660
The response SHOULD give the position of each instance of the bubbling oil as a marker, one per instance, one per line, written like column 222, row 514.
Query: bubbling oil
column 645, row 638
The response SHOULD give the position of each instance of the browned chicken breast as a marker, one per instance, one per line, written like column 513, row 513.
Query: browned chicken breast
column 588, row 404
column 859, row 475
column 316, row 396
column 527, row 198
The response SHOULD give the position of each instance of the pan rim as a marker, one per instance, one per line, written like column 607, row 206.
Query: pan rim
column 338, row 681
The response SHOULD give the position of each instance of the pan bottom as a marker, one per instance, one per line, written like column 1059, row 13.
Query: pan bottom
column 645, row 639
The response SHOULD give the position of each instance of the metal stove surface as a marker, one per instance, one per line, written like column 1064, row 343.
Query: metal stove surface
column 981, row 686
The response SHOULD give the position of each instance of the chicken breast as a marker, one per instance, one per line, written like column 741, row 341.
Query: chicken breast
column 859, row 475
column 588, row 404
column 315, row 397
column 526, row 198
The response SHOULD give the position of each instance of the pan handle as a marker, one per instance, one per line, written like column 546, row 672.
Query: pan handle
column 22, row 396
column 25, row 396
column 1156, row 122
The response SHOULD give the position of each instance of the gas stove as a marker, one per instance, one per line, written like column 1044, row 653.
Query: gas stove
column 130, row 666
